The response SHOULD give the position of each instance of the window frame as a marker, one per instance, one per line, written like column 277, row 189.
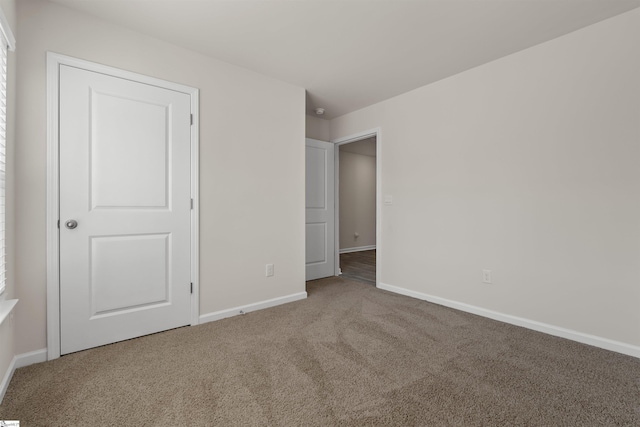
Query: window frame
column 7, row 44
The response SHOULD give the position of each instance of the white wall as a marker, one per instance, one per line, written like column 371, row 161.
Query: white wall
column 317, row 128
column 528, row 166
column 7, row 327
column 357, row 199
column 251, row 162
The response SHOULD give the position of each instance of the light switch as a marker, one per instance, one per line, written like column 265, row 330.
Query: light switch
column 388, row 200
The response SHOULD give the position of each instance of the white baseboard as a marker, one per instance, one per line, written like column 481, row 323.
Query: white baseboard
column 357, row 249
column 7, row 378
column 26, row 359
column 19, row 361
column 223, row 314
column 605, row 343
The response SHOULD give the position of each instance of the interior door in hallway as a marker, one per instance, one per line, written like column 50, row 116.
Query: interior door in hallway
column 320, row 209
column 125, row 196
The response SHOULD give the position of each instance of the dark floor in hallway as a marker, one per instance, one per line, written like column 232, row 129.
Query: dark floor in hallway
column 360, row 266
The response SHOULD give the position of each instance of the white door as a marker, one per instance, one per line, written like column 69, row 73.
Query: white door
column 125, row 182
column 320, row 214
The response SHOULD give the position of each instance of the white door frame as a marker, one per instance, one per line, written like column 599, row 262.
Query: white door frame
column 377, row 133
column 54, row 61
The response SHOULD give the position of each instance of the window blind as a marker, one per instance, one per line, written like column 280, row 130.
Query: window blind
column 3, row 157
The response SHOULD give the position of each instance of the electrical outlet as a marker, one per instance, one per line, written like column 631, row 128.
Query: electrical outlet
column 486, row 276
column 269, row 270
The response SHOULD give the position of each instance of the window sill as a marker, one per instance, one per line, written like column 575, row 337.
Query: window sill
column 6, row 307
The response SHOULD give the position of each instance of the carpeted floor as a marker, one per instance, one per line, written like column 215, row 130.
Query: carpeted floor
column 349, row 355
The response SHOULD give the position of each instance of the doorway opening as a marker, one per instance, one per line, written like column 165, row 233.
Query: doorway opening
column 357, row 184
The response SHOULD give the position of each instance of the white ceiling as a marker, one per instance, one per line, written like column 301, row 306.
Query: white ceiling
column 349, row 54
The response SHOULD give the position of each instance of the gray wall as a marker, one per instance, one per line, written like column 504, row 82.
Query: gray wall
column 527, row 166
column 251, row 162
column 317, row 128
column 357, row 187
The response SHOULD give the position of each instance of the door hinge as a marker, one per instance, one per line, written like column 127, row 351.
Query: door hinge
column 58, row 223
column 191, row 204
column 191, row 287
column 191, row 119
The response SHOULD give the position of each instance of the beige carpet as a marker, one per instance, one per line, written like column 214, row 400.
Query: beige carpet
column 350, row 354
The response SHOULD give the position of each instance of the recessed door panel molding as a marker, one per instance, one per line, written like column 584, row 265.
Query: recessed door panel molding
column 124, row 132
column 316, row 237
column 316, row 189
column 125, row 189
column 129, row 272
column 320, row 212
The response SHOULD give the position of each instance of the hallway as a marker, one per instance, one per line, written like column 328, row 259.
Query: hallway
column 359, row 266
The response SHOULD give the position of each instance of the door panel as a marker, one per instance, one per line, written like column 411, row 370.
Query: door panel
column 320, row 213
column 122, row 131
column 129, row 272
column 316, row 185
column 316, row 243
column 125, row 178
